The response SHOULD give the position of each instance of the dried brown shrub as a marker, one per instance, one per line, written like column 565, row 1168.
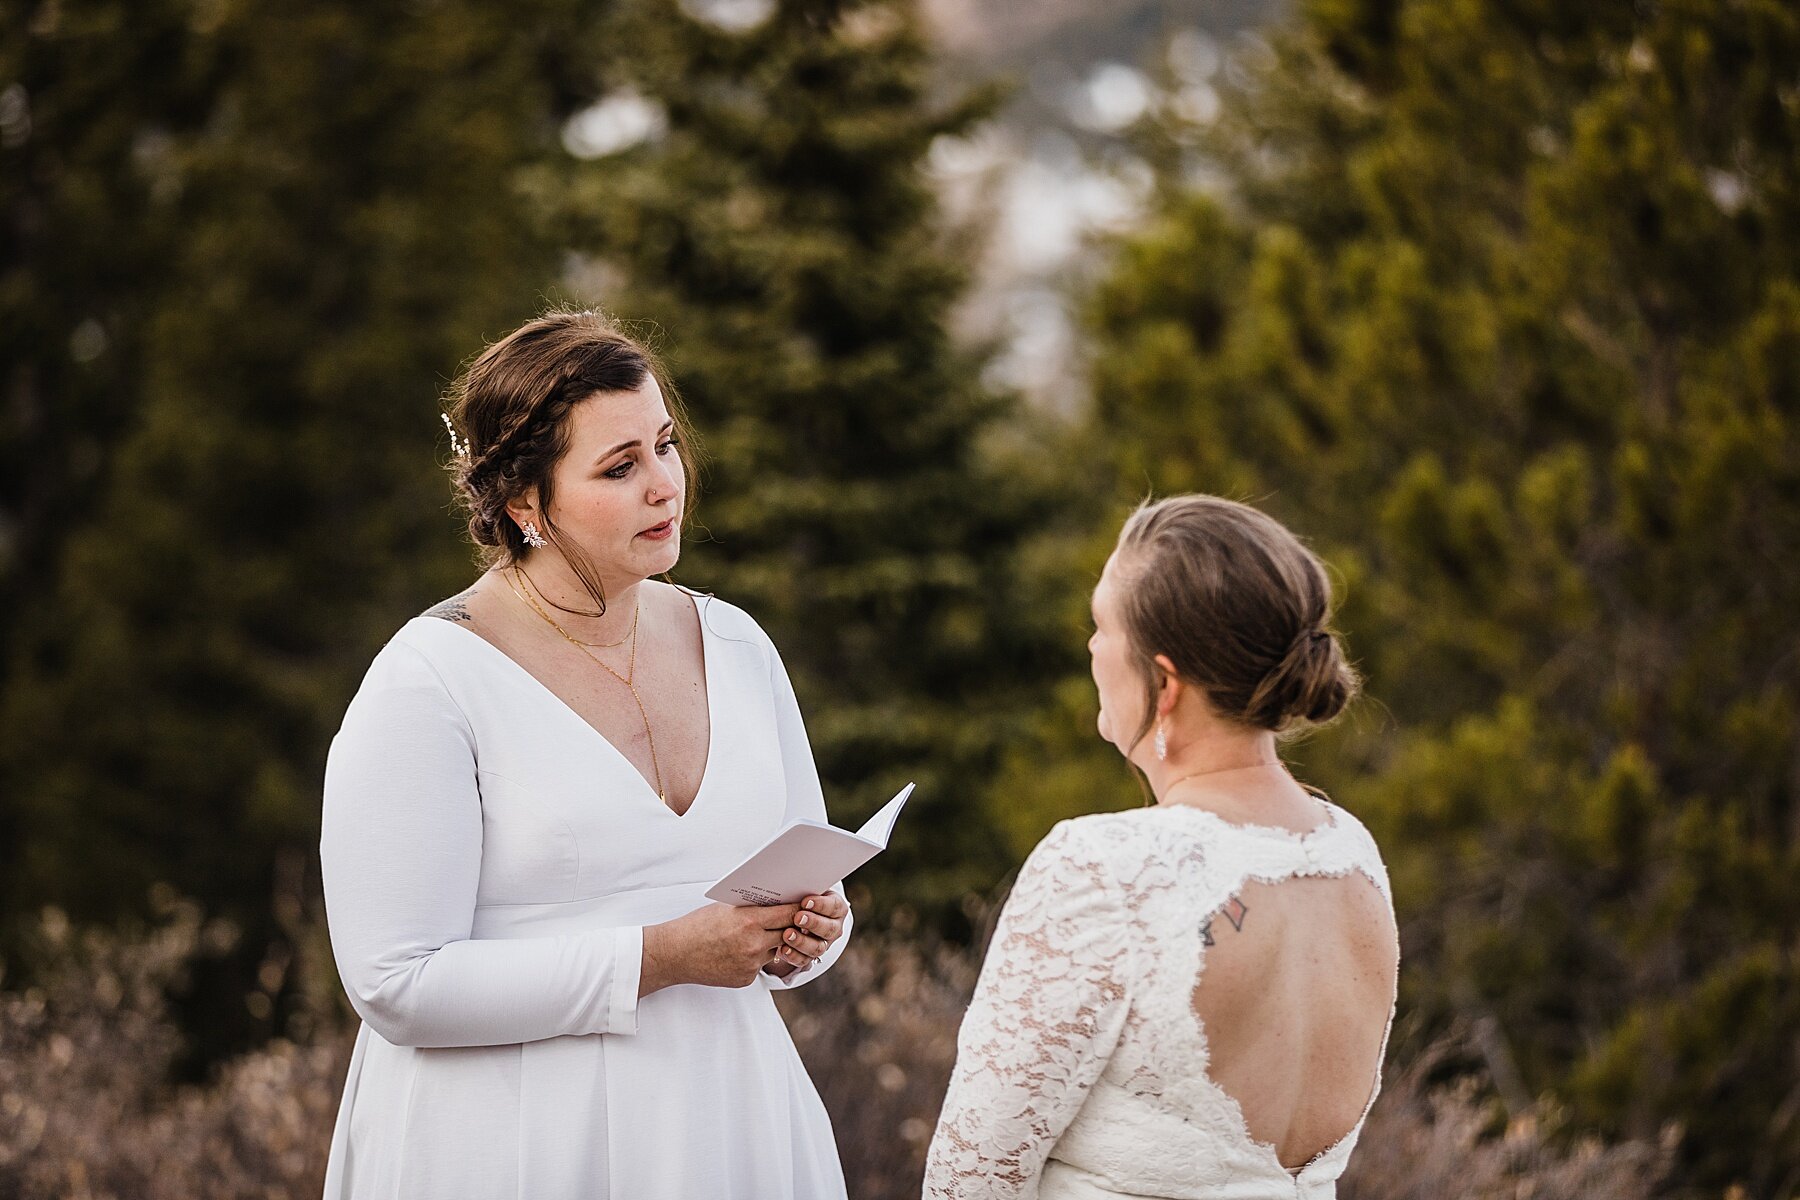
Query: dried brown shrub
column 1429, row 1140
column 878, row 1035
column 86, row 1112
column 85, row 1109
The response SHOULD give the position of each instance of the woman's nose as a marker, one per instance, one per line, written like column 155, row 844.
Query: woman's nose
column 664, row 485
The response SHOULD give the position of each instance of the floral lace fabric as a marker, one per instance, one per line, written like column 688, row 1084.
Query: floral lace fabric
column 1081, row 1066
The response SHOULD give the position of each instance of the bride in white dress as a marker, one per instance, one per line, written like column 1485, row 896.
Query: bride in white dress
column 1192, row 999
column 531, row 792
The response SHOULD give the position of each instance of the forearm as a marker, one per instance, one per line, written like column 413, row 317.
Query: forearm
column 498, row 992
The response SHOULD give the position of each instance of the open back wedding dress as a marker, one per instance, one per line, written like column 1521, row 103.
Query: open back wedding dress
column 1082, row 1065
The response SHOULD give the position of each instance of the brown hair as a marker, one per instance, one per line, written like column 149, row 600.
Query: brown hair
column 511, row 406
column 1241, row 608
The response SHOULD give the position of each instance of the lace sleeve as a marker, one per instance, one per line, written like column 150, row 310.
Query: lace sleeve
column 1047, row 1012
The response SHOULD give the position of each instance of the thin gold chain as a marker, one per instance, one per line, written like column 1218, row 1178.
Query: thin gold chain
column 1274, row 762
column 596, row 645
column 630, row 671
column 1171, row 785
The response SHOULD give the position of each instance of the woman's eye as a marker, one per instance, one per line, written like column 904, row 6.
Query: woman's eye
column 620, row 471
column 665, row 447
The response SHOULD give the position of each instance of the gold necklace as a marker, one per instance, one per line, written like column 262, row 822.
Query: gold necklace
column 630, row 670
column 1170, row 786
column 597, row 645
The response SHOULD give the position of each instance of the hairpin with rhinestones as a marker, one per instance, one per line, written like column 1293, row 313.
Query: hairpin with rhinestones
column 458, row 446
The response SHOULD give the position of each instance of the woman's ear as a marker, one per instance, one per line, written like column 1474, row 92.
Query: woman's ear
column 1168, row 686
column 522, row 508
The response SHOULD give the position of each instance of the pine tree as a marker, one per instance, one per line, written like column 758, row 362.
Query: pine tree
column 349, row 229
column 866, row 495
column 1501, row 308
column 88, row 225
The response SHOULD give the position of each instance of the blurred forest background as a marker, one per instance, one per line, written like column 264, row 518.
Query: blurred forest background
column 1495, row 301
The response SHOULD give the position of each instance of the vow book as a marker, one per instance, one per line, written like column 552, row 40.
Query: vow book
column 806, row 857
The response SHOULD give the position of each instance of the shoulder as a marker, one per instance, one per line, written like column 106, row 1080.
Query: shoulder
column 1139, row 853
column 1074, row 881
column 1349, row 822
column 1098, row 833
column 455, row 608
column 1097, row 848
column 726, row 620
column 1364, row 851
column 415, row 658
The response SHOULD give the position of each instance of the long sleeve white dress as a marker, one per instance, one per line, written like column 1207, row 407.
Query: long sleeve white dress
column 490, row 862
column 1081, row 1064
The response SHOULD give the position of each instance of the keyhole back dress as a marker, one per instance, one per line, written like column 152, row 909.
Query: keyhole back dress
column 1081, row 1069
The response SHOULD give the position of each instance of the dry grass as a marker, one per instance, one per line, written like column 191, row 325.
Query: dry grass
column 85, row 1112
column 878, row 1035
column 1428, row 1141
column 84, row 1109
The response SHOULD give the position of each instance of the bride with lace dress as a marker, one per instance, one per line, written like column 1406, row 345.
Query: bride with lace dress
column 1192, row 999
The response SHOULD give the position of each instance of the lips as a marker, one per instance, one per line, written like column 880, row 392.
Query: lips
column 657, row 533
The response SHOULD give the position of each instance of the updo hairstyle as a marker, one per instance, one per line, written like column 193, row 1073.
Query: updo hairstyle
column 1240, row 607
column 511, row 406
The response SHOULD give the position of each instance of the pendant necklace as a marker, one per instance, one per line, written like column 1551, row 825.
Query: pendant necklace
column 630, row 670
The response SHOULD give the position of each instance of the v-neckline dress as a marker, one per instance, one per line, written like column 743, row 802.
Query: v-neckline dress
column 490, row 860
column 506, row 663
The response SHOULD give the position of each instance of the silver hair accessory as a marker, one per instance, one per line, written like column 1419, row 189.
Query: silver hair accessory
column 533, row 538
column 458, row 446
column 1162, row 742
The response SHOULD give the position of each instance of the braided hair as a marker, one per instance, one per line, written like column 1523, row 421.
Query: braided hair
column 511, row 407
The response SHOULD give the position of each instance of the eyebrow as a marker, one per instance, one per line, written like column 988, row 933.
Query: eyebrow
column 666, row 426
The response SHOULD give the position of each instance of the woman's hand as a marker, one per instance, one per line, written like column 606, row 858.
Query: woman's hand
column 719, row 945
column 819, row 923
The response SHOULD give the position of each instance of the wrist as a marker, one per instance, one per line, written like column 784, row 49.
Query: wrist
column 654, row 972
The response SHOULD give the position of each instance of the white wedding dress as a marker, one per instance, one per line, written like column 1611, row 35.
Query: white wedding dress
column 1081, row 1069
column 490, row 862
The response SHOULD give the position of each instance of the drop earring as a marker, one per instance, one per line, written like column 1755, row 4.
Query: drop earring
column 533, row 538
column 1162, row 743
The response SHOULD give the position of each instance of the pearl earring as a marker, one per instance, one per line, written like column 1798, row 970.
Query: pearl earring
column 533, row 538
column 1162, row 742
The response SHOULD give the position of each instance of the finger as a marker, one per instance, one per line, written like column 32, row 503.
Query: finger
column 775, row 916
column 806, row 943
column 827, row 904
column 788, row 954
column 820, row 927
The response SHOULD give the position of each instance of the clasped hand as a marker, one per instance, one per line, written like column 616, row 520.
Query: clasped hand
column 721, row 945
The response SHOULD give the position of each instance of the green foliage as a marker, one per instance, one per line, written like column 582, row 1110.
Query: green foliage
column 88, row 225
column 334, row 206
column 1502, row 310
column 330, row 233
column 863, row 501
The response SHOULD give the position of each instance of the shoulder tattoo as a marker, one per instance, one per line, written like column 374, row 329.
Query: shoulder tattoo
column 453, row 609
column 1235, row 911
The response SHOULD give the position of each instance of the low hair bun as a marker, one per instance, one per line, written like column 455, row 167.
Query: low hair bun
column 1240, row 606
column 1312, row 683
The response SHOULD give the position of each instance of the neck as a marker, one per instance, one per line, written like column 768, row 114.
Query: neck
column 1217, row 759
column 549, row 580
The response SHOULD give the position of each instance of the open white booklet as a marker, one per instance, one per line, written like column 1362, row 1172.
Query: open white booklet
column 804, row 858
